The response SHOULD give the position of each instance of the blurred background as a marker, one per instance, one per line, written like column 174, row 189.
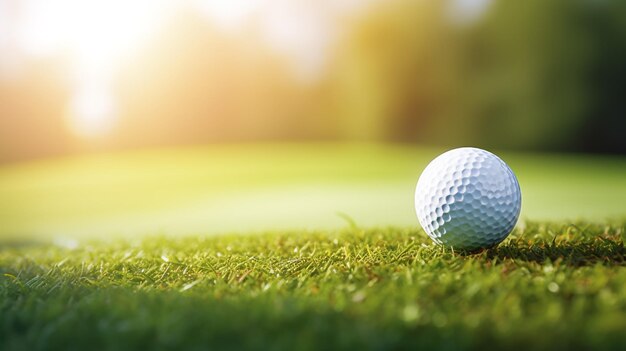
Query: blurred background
column 150, row 115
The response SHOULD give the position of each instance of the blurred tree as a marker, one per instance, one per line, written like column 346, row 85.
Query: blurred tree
column 534, row 74
column 199, row 84
column 530, row 74
column 522, row 75
column 32, row 111
column 604, row 129
column 391, row 77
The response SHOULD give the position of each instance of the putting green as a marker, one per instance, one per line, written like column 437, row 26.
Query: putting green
column 240, row 188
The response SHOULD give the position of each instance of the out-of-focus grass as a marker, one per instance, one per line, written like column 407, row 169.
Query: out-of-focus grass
column 550, row 286
column 259, row 187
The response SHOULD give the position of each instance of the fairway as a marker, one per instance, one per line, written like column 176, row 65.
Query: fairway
column 300, row 246
column 242, row 188
column 549, row 286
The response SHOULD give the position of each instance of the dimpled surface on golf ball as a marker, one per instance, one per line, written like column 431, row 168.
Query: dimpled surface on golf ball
column 468, row 199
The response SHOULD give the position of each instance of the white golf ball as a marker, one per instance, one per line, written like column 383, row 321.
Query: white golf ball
column 468, row 199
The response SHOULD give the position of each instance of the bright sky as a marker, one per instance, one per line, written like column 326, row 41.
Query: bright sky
column 99, row 34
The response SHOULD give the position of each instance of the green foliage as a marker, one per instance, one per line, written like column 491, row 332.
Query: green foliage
column 551, row 285
column 525, row 74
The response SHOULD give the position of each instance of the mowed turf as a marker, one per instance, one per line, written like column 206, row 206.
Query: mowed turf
column 549, row 286
column 259, row 187
column 126, row 251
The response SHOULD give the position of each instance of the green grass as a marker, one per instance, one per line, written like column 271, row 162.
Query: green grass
column 243, row 188
column 290, row 278
column 549, row 286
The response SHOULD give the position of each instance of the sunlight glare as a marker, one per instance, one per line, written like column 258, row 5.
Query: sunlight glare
column 228, row 14
column 97, row 30
column 92, row 112
column 97, row 35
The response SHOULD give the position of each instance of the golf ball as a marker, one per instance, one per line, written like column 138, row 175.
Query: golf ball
column 468, row 198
